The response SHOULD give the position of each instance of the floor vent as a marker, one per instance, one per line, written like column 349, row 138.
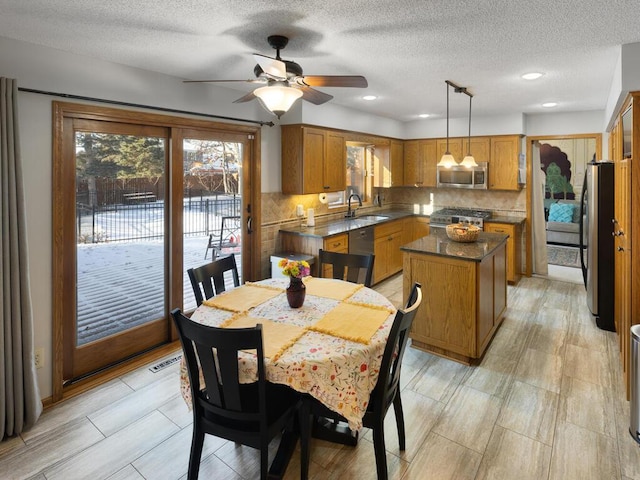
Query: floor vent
column 165, row 363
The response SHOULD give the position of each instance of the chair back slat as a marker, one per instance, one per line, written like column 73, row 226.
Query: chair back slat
column 214, row 352
column 208, row 280
column 389, row 377
column 351, row 267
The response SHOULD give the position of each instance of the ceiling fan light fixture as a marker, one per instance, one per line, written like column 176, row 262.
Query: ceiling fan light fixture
column 277, row 97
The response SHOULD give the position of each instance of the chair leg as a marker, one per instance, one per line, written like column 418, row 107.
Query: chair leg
column 304, row 419
column 397, row 408
column 197, row 440
column 380, row 449
column 264, row 461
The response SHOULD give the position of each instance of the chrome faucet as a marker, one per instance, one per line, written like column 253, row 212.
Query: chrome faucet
column 352, row 213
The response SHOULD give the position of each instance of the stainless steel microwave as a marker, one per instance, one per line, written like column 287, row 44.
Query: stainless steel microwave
column 463, row 177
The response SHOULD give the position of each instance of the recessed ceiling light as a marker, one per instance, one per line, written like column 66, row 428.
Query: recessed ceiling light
column 369, row 97
column 532, row 75
column 549, row 104
column 424, row 115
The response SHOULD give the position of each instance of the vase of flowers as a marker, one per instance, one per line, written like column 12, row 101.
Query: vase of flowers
column 296, row 290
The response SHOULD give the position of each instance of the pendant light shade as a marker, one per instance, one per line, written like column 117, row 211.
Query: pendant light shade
column 277, row 97
column 468, row 161
column 447, row 159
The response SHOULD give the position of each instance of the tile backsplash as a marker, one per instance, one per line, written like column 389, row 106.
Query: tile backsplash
column 279, row 209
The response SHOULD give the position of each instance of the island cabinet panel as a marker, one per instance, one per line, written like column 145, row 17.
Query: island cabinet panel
column 445, row 321
column 388, row 238
column 464, row 303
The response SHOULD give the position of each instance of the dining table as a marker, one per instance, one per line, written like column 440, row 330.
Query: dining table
column 330, row 348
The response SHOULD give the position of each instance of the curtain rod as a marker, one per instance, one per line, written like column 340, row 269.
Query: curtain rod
column 137, row 105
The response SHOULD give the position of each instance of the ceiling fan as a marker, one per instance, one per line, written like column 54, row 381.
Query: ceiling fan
column 285, row 82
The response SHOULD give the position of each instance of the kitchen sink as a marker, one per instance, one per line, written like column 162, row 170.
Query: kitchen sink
column 375, row 218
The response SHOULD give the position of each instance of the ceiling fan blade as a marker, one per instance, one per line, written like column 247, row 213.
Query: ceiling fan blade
column 246, row 98
column 315, row 96
column 335, row 81
column 271, row 66
column 251, row 80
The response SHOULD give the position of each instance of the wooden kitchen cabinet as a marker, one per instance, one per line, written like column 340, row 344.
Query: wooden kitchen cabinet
column 314, row 160
column 388, row 164
column 480, row 148
column 421, row 227
column 465, row 306
column 513, row 247
column 396, row 161
column 455, row 148
column 311, row 245
column 388, row 238
column 420, row 160
column 504, row 162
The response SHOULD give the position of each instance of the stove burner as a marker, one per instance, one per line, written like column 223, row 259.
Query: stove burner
column 446, row 216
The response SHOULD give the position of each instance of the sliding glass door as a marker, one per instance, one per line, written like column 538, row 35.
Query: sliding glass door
column 138, row 199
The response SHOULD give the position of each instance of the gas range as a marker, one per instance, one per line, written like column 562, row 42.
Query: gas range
column 441, row 218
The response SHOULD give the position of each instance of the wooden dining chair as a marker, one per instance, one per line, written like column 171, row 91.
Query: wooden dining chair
column 384, row 394
column 249, row 414
column 351, row 267
column 209, row 280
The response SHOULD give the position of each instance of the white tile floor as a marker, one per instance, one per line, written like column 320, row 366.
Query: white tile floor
column 547, row 402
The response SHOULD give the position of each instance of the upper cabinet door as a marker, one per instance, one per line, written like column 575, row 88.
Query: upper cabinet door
column 412, row 163
column 480, row 148
column 335, row 163
column 455, row 148
column 429, row 156
column 503, row 165
column 397, row 163
column 313, row 155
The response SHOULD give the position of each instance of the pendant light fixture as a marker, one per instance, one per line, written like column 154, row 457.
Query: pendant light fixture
column 447, row 159
column 469, row 161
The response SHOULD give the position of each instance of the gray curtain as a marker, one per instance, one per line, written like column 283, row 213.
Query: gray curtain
column 538, row 222
column 20, row 404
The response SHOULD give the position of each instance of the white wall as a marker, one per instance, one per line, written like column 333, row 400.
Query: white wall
column 459, row 127
column 53, row 70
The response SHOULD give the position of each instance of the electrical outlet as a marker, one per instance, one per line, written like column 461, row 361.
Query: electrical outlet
column 39, row 357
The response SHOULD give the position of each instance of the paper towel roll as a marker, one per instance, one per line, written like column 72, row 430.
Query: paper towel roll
column 310, row 220
column 323, row 198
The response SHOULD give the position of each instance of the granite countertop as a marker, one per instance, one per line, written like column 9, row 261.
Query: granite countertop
column 510, row 219
column 335, row 227
column 439, row 244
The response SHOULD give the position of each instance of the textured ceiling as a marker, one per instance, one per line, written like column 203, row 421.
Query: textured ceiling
column 405, row 49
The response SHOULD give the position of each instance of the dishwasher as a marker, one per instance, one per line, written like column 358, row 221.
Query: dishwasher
column 361, row 241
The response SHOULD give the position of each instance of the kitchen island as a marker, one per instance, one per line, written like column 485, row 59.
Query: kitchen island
column 465, row 287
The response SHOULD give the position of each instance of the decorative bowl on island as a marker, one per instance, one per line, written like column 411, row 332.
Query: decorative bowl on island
column 459, row 232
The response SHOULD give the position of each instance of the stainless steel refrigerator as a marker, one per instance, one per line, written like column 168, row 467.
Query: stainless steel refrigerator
column 597, row 242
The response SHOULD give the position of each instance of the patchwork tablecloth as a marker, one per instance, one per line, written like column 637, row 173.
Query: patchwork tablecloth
column 338, row 372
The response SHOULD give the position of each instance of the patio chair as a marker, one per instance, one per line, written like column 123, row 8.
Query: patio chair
column 209, row 280
column 227, row 240
column 249, row 414
column 385, row 393
column 348, row 266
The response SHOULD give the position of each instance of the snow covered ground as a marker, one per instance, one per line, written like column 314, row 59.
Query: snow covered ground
column 121, row 284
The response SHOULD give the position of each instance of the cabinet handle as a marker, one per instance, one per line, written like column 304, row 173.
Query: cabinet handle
column 336, row 244
column 326, row 187
column 620, row 249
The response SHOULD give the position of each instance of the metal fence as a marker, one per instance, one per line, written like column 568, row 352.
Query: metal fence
column 143, row 218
